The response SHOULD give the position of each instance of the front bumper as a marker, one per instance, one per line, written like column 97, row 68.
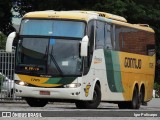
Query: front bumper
column 55, row 93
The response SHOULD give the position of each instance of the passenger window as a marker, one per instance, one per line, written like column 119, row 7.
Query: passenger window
column 107, row 42
column 100, row 35
column 91, row 35
column 113, row 37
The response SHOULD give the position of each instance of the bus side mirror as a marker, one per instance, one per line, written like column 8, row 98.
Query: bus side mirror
column 9, row 41
column 84, row 46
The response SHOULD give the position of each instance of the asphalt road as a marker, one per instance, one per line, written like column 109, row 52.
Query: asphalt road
column 68, row 111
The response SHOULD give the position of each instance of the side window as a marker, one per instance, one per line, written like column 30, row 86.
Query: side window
column 107, row 41
column 133, row 40
column 113, row 37
column 91, row 36
column 100, row 35
column 119, row 36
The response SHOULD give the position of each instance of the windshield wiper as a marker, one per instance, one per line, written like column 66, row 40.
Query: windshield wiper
column 45, row 54
column 55, row 62
column 57, row 66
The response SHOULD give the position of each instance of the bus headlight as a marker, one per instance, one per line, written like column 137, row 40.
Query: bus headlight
column 74, row 85
column 21, row 83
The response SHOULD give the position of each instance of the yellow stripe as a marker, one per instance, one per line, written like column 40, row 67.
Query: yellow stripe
column 37, row 81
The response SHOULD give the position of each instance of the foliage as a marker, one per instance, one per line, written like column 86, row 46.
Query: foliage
column 2, row 41
column 156, row 86
column 6, row 16
column 136, row 11
column 157, row 89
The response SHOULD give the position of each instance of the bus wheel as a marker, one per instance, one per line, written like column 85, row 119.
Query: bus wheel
column 35, row 102
column 135, row 103
column 91, row 104
column 142, row 93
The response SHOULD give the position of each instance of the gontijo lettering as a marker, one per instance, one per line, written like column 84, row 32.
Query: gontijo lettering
column 132, row 63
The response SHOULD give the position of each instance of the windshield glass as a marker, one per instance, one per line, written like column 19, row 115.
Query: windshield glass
column 31, row 54
column 52, row 28
column 66, row 55
column 49, row 56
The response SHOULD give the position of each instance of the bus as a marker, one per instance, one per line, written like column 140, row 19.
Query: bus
column 84, row 57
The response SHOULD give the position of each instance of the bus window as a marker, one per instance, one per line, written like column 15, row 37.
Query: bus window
column 128, row 38
column 91, row 36
column 100, row 35
column 113, row 37
column 60, row 28
column 119, row 35
column 107, row 42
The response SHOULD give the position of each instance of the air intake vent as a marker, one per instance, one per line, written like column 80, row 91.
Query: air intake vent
column 111, row 16
column 102, row 15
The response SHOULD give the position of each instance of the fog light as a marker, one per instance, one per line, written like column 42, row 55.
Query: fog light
column 74, row 85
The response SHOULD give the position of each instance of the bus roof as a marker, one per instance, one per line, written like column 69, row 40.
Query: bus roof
column 86, row 16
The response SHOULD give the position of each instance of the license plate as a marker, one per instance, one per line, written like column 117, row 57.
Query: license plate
column 44, row 92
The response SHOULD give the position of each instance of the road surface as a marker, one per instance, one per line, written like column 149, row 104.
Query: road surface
column 68, row 111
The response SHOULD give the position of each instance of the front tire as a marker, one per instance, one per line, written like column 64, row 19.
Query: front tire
column 91, row 104
column 35, row 102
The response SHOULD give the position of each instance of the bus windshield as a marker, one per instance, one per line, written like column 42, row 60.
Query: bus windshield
column 50, row 47
column 52, row 28
column 57, row 57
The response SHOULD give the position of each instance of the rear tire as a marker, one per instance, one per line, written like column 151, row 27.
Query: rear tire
column 35, row 102
column 135, row 103
column 141, row 95
column 91, row 104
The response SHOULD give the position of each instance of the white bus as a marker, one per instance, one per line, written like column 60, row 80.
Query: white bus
column 86, row 57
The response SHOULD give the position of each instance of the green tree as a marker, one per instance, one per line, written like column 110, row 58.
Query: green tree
column 2, row 41
column 6, row 16
column 23, row 6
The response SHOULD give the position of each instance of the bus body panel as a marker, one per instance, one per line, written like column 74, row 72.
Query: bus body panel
column 85, row 91
column 117, row 72
column 124, row 70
